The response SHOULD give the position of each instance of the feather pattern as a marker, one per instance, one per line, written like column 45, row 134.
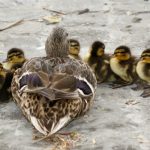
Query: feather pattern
column 53, row 91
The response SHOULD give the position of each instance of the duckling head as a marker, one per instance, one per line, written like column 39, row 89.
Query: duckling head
column 57, row 44
column 74, row 47
column 15, row 59
column 122, row 53
column 97, row 49
column 145, row 56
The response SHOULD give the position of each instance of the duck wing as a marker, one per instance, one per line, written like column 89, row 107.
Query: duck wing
column 59, row 83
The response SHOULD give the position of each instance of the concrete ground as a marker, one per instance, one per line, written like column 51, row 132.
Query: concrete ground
column 112, row 123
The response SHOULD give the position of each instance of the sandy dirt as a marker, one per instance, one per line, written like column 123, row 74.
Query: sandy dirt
column 111, row 124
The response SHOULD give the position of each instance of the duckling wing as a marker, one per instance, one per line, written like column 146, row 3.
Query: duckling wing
column 132, row 65
column 63, row 80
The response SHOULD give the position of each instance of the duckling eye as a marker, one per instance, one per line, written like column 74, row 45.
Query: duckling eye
column 100, row 51
column 123, row 54
column 9, row 59
column 19, row 56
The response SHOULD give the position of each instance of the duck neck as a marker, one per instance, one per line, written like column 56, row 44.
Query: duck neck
column 56, row 49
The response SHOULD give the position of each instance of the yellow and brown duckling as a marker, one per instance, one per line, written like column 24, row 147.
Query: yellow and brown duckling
column 74, row 49
column 52, row 91
column 15, row 59
column 5, row 82
column 122, row 63
column 99, row 61
column 143, row 71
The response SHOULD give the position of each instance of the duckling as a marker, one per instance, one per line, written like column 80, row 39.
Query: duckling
column 52, row 91
column 143, row 71
column 15, row 59
column 99, row 61
column 123, row 65
column 5, row 82
column 74, row 49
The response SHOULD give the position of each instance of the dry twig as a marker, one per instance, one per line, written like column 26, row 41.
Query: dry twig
column 58, row 12
column 12, row 25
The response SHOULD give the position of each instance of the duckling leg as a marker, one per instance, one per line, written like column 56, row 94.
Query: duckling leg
column 116, row 82
column 146, row 86
column 140, row 86
column 120, row 85
column 146, row 93
column 137, row 87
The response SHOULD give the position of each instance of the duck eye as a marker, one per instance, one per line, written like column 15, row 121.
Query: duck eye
column 143, row 58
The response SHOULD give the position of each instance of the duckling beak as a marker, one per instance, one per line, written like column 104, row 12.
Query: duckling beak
column 100, row 52
column 145, row 59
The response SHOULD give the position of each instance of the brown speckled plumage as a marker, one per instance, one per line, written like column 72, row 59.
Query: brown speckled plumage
column 52, row 91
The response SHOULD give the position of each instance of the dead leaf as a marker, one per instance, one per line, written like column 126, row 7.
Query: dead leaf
column 52, row 19
column 74, row 135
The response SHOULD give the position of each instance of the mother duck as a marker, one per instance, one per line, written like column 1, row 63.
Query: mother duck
column 51, row 91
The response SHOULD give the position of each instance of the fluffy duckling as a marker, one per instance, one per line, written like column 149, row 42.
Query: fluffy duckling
column 123, row 65
column 99, row 61
column 15, row 59
column 5, row 82
column 143, row 70
column 54, row 90
column 74, row 49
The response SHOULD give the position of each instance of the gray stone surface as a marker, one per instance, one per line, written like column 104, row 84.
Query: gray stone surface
column 111, row 124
